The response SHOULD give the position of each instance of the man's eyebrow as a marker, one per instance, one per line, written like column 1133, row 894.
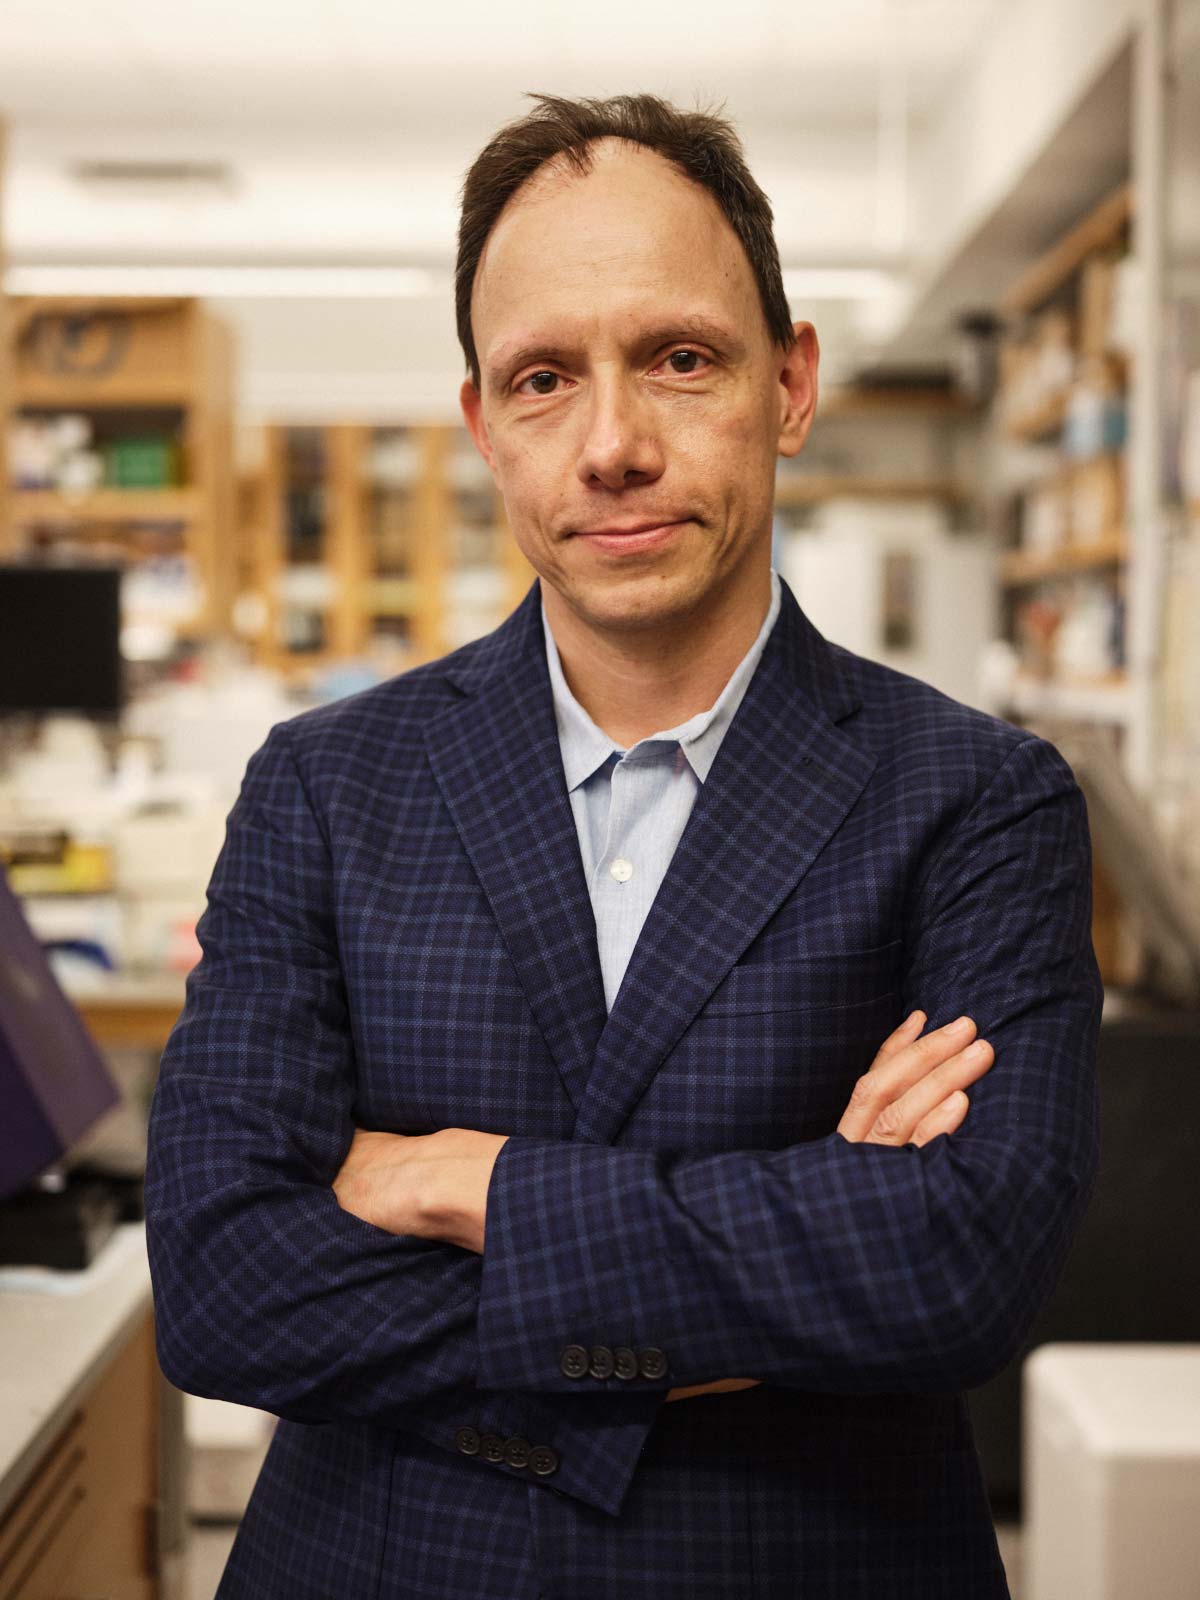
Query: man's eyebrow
column 693, row 326
column 509, row 357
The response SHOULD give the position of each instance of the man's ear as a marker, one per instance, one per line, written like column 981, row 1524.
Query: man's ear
column 798, row 389
column 471, row 402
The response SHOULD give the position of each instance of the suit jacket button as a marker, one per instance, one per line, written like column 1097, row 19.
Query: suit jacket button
column 517, row 1451
column 543, row 1460
column 574, row 1361
column 625, row 1362
column 652, row 1362
column 601, row 1363
column 491, row 1447
column 467, row 1440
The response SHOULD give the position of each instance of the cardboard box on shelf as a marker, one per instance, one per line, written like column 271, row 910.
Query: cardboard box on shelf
column 1097, row 282
column 1045, row 517
column 1097, row 499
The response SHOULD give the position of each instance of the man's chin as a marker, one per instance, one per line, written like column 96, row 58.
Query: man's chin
column 635, row 601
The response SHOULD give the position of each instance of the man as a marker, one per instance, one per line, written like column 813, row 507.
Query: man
column 563, row 1135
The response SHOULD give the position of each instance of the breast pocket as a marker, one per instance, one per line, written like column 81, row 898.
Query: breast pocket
column 772, row 1058
column 833, row 980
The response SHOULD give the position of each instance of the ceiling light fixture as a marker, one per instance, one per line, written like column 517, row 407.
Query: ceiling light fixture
column 223, row 282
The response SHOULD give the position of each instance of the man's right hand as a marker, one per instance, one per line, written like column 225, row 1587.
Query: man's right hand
column 912, row 1091
column 914, row 1088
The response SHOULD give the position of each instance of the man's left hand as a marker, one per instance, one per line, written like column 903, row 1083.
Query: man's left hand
column 433, row 1185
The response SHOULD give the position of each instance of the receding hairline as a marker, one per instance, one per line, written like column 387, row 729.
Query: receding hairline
column 566, row 167
column 560, row 169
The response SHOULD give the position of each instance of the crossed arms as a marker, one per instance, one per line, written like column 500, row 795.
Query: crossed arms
column 435, row 1186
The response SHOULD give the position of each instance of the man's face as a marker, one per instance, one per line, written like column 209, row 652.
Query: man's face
column 628, row 382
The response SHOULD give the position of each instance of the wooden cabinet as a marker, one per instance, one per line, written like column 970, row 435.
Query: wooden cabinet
column 85, row 1524
column 141, row 469
column 370, row 535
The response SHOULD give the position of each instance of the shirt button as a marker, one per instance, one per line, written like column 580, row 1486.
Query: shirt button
column 621, row 870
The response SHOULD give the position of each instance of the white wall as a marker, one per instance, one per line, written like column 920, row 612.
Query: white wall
column 836, row 574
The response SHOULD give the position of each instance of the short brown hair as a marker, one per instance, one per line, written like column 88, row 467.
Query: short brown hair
column 702, row 145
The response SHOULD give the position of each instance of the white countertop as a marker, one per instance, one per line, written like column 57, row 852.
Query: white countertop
column 54, row 1342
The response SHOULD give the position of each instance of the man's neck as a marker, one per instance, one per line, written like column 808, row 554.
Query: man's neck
column 635, row 682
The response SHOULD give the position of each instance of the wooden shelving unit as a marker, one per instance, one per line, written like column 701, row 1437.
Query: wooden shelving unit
column 1020, row 567
column 1072, row 547
column 107, row 505
column 796, row 488
column 1064, row 586
column 132, row 368
column 1097, row 232
column 406, row 541
column 883, row 442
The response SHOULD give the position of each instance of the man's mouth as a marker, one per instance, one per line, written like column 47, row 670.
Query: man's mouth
column 630, row 537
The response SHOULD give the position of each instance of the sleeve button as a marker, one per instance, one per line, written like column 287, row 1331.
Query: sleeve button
column 491, row 1447
column 625, row 1362
column 653, row 1362
column 467, row 1440
column 574, row 1361
column 517, row 1451
column 600, row 1362
column 543, row 1460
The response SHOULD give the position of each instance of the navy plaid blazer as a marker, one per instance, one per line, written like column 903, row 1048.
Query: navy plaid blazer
column 398, row 936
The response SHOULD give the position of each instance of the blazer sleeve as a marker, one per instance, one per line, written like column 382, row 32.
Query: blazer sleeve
column 265, row 1290
column 830, row 1264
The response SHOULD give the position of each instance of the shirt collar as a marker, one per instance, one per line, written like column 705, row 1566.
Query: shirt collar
column 586, row 748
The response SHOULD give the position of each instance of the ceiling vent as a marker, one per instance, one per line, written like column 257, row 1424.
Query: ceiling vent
column 159, row 178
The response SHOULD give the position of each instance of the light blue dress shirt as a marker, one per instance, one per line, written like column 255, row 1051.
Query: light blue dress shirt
column 631, row 806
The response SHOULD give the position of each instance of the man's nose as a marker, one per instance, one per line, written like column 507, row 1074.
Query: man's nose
column 621, row 445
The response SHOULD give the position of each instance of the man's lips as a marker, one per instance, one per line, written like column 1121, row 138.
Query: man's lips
column 632, row 539
column 618, row 531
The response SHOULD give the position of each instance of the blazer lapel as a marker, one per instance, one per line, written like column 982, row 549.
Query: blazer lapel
column 496, row 759
column 784, row 778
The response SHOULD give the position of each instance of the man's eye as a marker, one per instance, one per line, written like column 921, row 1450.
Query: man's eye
column 549, row 379
column 691, row 356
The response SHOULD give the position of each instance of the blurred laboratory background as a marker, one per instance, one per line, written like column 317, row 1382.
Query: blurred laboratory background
column 235, row 483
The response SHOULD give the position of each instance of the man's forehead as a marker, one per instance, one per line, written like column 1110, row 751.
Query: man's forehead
column 631, row 240
column 599, row 157
column 630, row 201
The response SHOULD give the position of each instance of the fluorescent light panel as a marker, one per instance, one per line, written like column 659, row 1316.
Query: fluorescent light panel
column 221, row 282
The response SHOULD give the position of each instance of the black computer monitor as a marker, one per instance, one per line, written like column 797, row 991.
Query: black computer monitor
column 54, row 1083
column 60, row 639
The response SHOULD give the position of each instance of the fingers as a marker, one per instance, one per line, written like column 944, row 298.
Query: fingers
column 908, row 1030
column 910, row 1078
column 896, row 1122
column 944, row 1118
column 717, row 1386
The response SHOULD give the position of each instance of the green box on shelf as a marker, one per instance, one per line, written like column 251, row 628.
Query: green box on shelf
column 141, row 464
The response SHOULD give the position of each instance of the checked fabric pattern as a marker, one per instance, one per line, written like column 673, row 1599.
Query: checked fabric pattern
column 399, row 936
